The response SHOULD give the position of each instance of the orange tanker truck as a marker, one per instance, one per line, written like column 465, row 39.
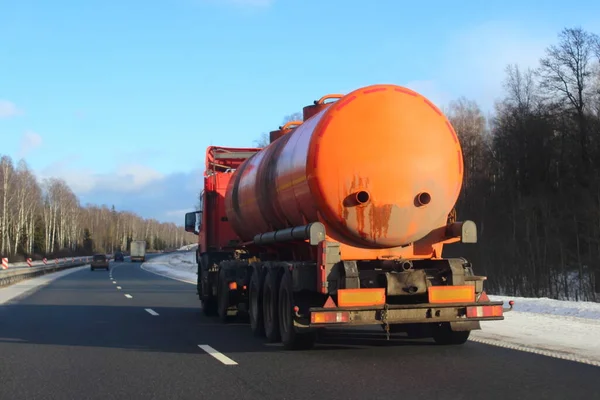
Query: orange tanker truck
column 341, row 221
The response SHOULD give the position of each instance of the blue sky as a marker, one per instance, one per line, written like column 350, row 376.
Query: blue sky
column 121, row 98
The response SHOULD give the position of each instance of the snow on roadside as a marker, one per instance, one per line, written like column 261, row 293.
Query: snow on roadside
column 555, row 328
column 178, row 265
column 544, row 305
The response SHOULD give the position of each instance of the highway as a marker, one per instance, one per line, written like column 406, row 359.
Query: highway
column 142, row 336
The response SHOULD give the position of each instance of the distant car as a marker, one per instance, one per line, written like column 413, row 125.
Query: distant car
column 100, row 261
column 119, row 256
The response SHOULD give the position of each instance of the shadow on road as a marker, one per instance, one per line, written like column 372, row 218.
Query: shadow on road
column 177, row 330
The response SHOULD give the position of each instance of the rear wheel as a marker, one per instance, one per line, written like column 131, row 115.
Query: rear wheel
column 223, row 298
column 209, row 307
column 291, row 336
column 208, row 301
column 270, row 305
column 257, row 324
column 444, row 335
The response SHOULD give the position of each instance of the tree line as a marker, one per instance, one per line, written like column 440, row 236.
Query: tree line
column 532, row 175
column 47, row 220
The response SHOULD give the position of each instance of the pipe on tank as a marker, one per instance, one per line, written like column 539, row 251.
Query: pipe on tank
column 319, row 105
column 314, row 232
column 422, row 199
column 288, row 127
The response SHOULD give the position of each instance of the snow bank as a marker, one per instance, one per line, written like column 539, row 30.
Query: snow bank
column 188, row 247
column 179, row 265
column 581, row 309
column 559, row 336
column 556, row 328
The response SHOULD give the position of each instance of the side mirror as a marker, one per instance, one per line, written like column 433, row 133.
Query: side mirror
column 191, row 222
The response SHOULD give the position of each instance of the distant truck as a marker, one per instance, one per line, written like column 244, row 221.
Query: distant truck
column 138, row 251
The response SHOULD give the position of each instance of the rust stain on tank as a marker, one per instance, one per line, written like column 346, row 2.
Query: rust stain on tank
column 360, row 211
column 380, row 220
column 360, row 221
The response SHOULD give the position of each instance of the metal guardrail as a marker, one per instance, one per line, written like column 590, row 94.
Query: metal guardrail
column 20, row 271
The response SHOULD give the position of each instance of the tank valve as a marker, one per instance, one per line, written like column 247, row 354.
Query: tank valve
column 357, row 198
column 422, row 199
column 362, row 197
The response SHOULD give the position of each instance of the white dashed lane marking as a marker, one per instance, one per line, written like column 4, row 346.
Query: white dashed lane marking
column 219, row 356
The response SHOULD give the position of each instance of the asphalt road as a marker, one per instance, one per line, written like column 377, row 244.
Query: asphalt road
column 85, row 337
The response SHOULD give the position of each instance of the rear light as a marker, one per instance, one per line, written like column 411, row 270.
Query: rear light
column 329, row 317
column 484, row 311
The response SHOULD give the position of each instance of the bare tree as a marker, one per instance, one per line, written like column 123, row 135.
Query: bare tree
column 265, row 140
column 6, row 178
column 566, row 74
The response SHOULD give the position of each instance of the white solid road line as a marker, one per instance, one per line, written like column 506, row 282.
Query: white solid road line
column 119, row 287
column 129, row 296
column 151, row 311
column 219, row 356
column 29, row 286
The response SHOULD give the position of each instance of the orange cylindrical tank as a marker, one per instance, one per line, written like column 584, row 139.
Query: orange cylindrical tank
column 381, row 168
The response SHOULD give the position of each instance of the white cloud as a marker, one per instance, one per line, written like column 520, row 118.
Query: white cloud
column 8, row 109
column 135, row 188
column 126, row 178
column 138, row 175
column 178, row 215
column 29, row 142
column 475, row 59
column 432, row 91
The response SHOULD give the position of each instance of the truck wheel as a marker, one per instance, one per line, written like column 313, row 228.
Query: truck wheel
column 209, row 306
column 270, row 306
column 208, row 301
column 223, row 299
column 291, row 338
column 444, row 335
column 257, row 323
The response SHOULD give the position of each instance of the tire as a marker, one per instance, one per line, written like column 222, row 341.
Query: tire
column 208, row 303
column 271, row 306
column 290, row 336
column 223, row 298
column 255, row 307
column 209, row 307
column 445, row 336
